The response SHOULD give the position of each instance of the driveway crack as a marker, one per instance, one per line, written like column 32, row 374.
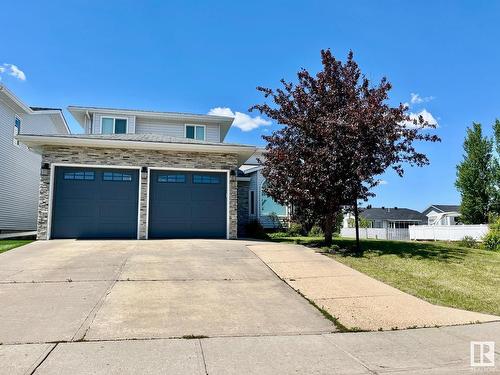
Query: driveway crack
column 85, row 326
column 45, row 356
column 203, row 357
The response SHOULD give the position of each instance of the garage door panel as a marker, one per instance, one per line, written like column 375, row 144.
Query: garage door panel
column 208, row 210
column 77, row 210
column 73, row 192
column 168, row 194
column 93, row 207
column 196, row 207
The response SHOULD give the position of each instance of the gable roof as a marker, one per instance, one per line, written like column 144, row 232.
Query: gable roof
column 135, row 141
column 440, row 208
column 56, row 114
column 392, row 214
column 225, row 122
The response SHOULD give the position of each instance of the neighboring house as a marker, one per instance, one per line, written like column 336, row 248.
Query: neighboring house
column 20, row 167
column 139, row 174
column 387, row 217
column 442, row 214
column 258, row 205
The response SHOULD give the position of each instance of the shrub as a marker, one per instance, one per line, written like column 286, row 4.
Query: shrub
column 255, row 229
column 295, row 229
column 334, row 249
column 279, row 234
column 468, row 241
column 276, row 222
column 316, row 231
column 492, row 239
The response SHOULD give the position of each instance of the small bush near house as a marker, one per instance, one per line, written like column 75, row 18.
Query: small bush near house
column 492, row 239
column 468, row 241
column 255, row 229
column 316, row 231
column 276, row 222
column 295, row 229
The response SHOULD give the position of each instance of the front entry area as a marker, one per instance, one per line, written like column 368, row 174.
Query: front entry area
column 95, row 203
column 187, row 204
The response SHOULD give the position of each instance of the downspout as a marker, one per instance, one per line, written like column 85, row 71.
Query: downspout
column 87, row 115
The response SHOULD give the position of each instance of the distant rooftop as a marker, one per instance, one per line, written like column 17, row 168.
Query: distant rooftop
column 393, row 214
column 45, row 109
column 440, row 208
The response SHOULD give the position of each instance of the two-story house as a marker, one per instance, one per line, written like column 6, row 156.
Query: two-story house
column 139, row 174
column 20, row 167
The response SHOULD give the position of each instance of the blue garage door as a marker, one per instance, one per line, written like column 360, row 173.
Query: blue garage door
column 95, row 203
column 187, row 204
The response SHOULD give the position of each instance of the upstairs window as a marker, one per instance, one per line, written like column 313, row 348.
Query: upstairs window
column 17, row 130
column 111, row 125
column 195, row 132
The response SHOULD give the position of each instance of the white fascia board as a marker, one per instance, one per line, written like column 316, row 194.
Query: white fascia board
column 15, row 100
column 166, row 115
column 25, row 108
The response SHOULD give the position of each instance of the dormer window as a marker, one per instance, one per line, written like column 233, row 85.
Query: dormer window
column 113, row 125
column 195, row 132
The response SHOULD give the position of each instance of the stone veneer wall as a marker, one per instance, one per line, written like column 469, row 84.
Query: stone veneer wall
column 134, row 158
column 243, row 189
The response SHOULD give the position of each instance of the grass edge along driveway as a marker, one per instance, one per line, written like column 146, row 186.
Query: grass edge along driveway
column 441, row 273
column 6, row 245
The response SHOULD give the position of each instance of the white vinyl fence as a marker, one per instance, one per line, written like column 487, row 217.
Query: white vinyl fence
column 447, row 232
column 377, row 233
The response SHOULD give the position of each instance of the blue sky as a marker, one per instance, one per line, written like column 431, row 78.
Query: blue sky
column 193, row 56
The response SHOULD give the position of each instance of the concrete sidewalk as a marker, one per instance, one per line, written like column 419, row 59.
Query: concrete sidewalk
column 357, row 300
column 418, row 351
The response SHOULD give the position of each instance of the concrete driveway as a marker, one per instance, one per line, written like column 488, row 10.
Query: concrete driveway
column 70, row 290
column 145, row 307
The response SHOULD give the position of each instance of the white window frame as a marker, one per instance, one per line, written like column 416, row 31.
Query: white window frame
column 115, row 118
column 196, row 125
column 15, row 142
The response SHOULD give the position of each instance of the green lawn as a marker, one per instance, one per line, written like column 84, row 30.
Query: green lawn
column 6, row 245
column 441, row 273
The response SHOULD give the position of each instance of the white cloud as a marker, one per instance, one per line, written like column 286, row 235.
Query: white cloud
column 241, row 120
column 13, row 71
column 426, row 115
column 382, row 182
column 417, row 99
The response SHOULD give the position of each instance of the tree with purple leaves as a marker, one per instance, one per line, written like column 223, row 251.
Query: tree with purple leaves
column 338, row 133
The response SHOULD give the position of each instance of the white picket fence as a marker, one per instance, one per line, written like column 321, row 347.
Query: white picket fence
column 447, row 232
column 420, row 232
column 377, row 233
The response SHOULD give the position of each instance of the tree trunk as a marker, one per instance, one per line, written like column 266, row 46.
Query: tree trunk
column 356, row 224
column 328, row 229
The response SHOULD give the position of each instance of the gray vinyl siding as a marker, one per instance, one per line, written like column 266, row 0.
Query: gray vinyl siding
column 20, row 170
column 160, row 126
column 147, row 125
